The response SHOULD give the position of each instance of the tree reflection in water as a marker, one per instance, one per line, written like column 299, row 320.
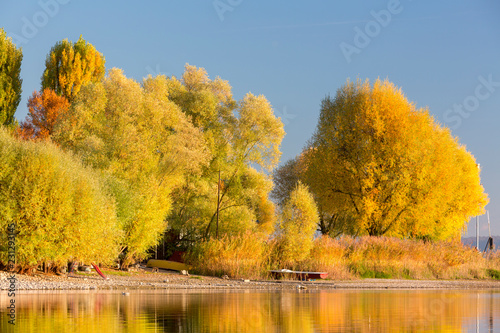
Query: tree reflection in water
column 255, row 311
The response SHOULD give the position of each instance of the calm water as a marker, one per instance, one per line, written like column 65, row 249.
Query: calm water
column 255, row 311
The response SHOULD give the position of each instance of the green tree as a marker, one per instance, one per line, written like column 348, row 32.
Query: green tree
column 285, row 179
column 384, row 167
column 299, row 219
column 60, row 209
column 142, row 142
column 242, row 136
column 10, row 78
column 69, row 66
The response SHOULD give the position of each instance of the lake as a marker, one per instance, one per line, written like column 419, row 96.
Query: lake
column 255, row 311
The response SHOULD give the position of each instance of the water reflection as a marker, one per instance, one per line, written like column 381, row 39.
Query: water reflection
column 255, row 311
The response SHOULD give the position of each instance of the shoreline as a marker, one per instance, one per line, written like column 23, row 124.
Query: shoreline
column 166, row 280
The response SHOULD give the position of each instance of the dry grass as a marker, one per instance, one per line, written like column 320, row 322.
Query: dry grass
column 329, row 255
column 384, row 257
column 244, row 256
column 251, row 256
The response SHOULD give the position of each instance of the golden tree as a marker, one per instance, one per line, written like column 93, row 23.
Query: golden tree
column 384, row 167
column 69, row 66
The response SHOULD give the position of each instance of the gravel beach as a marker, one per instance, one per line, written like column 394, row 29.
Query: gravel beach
column 145, row 279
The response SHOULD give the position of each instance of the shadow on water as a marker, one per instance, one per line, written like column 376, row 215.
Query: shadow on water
column 255, row 311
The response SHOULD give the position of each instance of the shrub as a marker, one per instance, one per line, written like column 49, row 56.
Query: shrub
column 296, row 234
column 493, row 273
column 59, row 208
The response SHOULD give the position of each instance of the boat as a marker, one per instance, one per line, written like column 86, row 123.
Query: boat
column 168, row 264
column 299, row 275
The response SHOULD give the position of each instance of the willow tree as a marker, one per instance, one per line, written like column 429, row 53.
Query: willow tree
column 69, row 66
column 299, row 220
column 243, row 138
column 142, row 143
column 59, row 210
column 10, row 78
column 286, row 177
column 384, row 167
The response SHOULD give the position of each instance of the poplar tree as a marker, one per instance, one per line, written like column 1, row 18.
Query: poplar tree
column 10, row 78
column 69, row 66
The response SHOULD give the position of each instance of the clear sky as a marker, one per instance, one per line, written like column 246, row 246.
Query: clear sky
column 445, row 55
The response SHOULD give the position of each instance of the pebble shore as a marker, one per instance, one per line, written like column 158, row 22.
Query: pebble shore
column 145, row 279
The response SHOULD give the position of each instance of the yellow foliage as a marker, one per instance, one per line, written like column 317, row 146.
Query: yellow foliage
column 60, row 209
column 388, row 168
column 69, row 66
column 240, row 256
column 144, row 144
column 297, row 228
column 10, row 77
column 241, row 137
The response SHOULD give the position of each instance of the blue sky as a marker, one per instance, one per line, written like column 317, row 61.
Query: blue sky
column 445, row 55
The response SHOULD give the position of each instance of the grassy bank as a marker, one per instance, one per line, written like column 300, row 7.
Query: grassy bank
column 251, row 256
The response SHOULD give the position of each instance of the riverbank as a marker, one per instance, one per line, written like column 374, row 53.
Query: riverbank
column 146, row 279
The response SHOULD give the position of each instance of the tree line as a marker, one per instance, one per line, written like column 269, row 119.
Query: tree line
column 105, row 167
column 155, row 147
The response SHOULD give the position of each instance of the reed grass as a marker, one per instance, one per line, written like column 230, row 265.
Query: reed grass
column 242, row 256
column 251, row 256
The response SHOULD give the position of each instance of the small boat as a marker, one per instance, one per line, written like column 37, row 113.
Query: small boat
column 304, row 276
column 168, row 264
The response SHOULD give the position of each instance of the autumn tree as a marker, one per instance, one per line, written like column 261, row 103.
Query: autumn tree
column 59, row 210
column 10, row 78
column 69, row 66
column 43, row 112
column 299, row 220
column 242, row 136
column 381, row 166
column 285, row 179
column 142, row 142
